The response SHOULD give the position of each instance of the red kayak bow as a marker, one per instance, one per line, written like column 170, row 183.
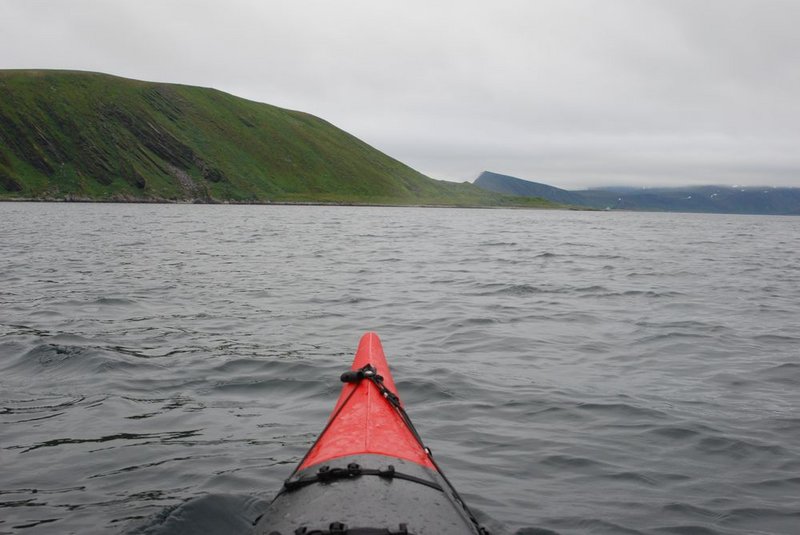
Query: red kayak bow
column 363, row 421
column 368, row 473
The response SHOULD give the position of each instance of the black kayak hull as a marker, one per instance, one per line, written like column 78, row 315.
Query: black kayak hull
column 363, row 495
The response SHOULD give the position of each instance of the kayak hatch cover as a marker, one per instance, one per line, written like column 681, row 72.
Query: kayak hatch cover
column 368, row 473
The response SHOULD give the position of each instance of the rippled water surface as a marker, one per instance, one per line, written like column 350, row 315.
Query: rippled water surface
column 162, row 368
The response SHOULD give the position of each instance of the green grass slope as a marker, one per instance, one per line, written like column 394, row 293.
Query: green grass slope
column 88, row 136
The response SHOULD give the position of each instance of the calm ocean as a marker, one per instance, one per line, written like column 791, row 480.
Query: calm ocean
column 163, row 367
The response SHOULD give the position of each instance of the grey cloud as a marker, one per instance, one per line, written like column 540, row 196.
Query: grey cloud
column 571, row 92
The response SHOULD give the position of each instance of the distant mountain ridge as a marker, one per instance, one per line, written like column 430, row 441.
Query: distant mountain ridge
column 705, row 199
column 67, row 135
column 524, row 188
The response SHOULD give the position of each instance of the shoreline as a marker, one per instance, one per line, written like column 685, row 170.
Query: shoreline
column 287, row 203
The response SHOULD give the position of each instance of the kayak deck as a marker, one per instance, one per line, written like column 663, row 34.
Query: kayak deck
column 356, row 503
column 368, row 473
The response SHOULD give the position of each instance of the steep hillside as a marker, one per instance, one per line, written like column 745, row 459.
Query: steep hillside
column 78, row 135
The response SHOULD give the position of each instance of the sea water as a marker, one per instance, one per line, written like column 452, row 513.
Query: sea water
column 163, row 367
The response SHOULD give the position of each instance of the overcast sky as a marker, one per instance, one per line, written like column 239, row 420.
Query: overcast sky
column 573, row 93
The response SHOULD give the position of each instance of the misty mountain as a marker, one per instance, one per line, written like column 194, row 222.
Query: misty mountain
column 710, row 199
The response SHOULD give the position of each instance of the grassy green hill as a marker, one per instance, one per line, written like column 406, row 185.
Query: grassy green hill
column 88, row 136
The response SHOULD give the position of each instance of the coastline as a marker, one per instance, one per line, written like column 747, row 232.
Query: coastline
column 87, row 200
